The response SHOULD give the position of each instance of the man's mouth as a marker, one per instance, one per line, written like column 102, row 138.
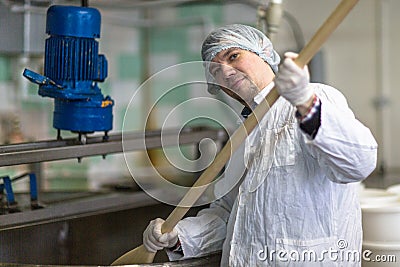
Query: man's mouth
column 236, row 83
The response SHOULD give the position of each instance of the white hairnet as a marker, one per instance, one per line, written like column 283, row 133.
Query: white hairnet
column 240, row 36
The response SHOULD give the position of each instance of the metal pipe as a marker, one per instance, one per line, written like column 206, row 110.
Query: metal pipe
column 139, row 4
column 123, row 4
column 383, row 85
column 52, row 150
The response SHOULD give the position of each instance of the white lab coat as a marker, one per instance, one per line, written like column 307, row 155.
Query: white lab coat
column 297, row 204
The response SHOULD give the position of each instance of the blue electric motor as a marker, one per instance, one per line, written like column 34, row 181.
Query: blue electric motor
column 72, row 69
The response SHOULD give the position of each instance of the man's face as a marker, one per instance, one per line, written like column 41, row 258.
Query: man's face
column 241, row 74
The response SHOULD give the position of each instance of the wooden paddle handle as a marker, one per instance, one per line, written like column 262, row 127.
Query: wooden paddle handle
column 240, row 135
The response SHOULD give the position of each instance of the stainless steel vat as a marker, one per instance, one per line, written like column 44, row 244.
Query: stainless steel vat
column 94, row 230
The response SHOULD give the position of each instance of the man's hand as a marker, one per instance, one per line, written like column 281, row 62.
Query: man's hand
column 292, row 82
column 154, row 240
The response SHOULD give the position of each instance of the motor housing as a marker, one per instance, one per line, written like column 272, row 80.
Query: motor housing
column 72, row 69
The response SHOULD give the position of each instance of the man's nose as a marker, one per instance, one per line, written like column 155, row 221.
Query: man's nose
column 227, row 71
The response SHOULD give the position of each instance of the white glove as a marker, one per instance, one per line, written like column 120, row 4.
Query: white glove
column 154, row 240
column 292, row 81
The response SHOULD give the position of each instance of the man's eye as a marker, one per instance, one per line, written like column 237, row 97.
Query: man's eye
column 233, row 56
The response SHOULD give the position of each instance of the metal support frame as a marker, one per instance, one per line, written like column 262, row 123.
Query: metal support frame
column 99, row 203
column 41, row 151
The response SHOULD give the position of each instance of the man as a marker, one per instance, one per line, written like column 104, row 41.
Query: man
column 297, row 203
